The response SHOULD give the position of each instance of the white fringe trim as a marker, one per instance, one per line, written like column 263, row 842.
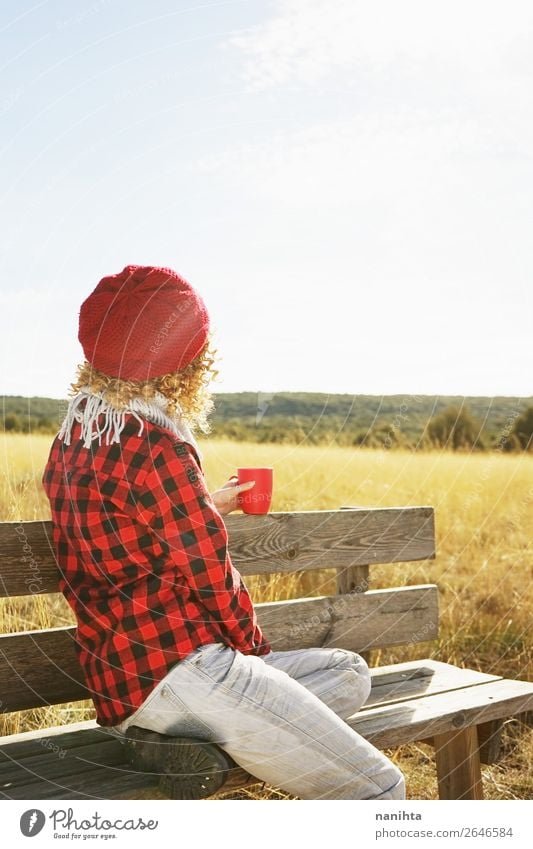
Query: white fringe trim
column 115, row 419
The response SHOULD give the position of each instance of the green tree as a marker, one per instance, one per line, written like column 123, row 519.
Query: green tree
column 12, row 422
column 44, row 424
column 455, row 428
column 523, row 429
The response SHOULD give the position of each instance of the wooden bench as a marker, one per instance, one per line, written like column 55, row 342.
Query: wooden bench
column 459, row 711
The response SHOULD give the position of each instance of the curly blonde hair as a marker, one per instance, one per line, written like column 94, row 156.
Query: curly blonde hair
column 188, row 387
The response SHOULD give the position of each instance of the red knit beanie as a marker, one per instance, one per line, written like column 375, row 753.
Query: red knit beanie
column 142, row 323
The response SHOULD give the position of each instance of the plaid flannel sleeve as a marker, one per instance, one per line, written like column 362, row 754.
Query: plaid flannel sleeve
column 192, row 532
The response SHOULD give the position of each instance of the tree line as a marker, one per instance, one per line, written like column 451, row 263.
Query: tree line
column 412, row 422
column 454, row 429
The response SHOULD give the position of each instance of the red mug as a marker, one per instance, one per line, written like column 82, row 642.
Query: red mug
column 257, row 499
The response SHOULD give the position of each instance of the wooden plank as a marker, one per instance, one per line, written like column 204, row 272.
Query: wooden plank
column 385, row 726
column 398, row 671
column 458, row 766
column 57, row 763
column 392, row 684
column 354, row 579
column 42, row 667
column 388, row 726
column 278, row 542
column 374, row 619
column 92, row 763
column 28, row 743
column 490, row 739
column 49, row 763
column 419, row 679
column 105, row 783
column 100, row 783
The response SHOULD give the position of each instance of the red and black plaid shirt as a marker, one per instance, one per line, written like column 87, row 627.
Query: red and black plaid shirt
column 143, row 555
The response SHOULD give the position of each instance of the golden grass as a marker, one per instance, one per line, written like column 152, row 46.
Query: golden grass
column 484, row 566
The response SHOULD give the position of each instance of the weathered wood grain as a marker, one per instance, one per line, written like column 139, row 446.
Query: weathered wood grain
column 392, row 725
column 39, row 668
column 458, row 766
column 99, row 783
column 42, row 667
column 490, row 741
column 102, row 775
column 354, row 579
column 278, row 542
column 59, row 762
column 90, row 762
column 430, row 675
column 419, row 679
column 375, row 619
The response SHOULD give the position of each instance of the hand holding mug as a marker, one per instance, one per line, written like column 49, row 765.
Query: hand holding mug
column 226, row 499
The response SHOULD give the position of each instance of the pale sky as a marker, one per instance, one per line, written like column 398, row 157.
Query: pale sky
column 349, row 185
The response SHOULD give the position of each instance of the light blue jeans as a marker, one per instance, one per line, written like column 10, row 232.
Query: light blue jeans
column 280, row 716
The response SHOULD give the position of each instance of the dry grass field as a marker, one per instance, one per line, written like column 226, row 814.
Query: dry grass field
column 484, row 566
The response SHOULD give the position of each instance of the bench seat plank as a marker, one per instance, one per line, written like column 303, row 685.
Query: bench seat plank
column 387, row 726
column 95, row 764
column 59, row 762
column 102, row 783
column 416, row 679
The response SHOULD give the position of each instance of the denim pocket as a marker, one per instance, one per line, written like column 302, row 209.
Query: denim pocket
column 179, row 719
column 245, row 676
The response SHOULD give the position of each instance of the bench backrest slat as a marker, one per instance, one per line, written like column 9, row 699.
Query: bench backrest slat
column 277, row 542
column 359, row 622
column 42, row 667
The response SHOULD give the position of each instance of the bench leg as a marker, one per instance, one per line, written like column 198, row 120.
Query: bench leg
column 489, row 735
column 458, row 764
